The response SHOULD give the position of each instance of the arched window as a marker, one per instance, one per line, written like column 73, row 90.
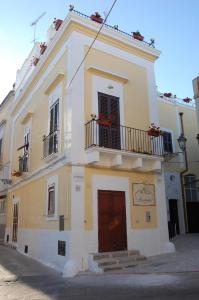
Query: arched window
column 190, row 188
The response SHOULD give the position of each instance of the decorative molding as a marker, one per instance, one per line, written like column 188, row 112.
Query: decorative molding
column 27, row 117
column 106, row 72
column 59, row 77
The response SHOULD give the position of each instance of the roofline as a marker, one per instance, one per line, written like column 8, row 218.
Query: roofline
column 6, row 99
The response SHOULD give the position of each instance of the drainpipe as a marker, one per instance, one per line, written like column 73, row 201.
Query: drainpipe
column 182, row 177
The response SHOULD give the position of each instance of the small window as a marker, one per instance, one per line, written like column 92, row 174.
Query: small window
column 167, row 142
column 51, row 200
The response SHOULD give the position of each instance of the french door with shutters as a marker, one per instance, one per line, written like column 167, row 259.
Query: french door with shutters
column 108, row 108
column 54, row 126
column 15, row 222
column 112, row 232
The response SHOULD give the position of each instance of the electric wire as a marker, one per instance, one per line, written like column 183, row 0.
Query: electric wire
column 91, row 45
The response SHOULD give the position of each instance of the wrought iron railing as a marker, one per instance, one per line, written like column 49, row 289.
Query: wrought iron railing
column 50, row 144
column 122, row 138
column 23, row 163
column 115, row 29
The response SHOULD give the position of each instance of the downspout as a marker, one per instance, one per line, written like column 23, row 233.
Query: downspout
column 182, row 178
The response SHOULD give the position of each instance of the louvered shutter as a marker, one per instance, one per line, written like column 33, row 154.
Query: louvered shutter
column 109, row 136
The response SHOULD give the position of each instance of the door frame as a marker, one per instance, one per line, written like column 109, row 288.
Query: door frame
column 15, row 201
column 113, row 183
column 101, row 85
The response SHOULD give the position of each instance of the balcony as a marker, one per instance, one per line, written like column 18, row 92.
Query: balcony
column 122, row 147
column 23, row 163
column 50, row 144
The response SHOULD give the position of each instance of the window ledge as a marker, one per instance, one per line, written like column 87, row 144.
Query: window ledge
column 51, row 218
column 51, row 157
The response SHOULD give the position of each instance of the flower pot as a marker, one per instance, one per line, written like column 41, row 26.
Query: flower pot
column 57, row 23
column 168, row 95
column 138, row 36
column 35, row 61
column 16, row 173
column 104, row 122
column 42, row 49
column 187, row 99
column 154, row 133
column 96, row 19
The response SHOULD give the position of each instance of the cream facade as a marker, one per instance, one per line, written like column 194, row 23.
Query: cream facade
column 69, row 169
column 179, row 213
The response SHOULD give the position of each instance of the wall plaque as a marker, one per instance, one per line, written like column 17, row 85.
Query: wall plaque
column 143, row 194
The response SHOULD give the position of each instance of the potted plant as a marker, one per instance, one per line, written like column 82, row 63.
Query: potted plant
column 137, row 35
column 43, row 47
column 57, row 23
column 168, row 95
column 16, row 173
column 154, row 130
column 35, row 60
column 187, row 99
column 97, row 18
column 102, row 120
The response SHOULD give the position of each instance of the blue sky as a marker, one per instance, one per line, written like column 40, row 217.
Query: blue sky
column 173, row 24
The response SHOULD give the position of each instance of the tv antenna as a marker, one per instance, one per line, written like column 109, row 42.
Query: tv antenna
column 35, row 25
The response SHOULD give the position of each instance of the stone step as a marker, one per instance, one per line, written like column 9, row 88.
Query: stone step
column 118, row 260
column 137, row 257
column 119, row 266
column 104, row 255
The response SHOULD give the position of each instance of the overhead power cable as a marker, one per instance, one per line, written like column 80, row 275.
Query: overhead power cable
column 91, row 45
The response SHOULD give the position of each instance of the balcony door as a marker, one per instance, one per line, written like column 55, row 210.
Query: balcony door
column 108, row 107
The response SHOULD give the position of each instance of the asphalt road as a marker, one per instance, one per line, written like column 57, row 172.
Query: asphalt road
column 22, row 278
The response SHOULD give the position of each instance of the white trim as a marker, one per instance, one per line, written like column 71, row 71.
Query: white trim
column 52, row 181
column 100, row 85
column 102, row 71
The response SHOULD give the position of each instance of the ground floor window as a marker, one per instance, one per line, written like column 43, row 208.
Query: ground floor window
column 51, row 197
column 51, row 200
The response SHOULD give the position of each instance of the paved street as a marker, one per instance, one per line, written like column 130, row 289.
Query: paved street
column 171, row 276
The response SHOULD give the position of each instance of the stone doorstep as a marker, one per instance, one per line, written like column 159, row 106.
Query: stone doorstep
column 104, row 255
column 118, row 260
column 110, row 261
column 119, row 266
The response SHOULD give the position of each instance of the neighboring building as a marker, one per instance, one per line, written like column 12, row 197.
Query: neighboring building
column 83, row 184
column 169, row 120
column 5, row 129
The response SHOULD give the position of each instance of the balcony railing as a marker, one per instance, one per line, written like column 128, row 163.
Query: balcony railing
column 50, row 144
column 122, row 138
column 23, row 163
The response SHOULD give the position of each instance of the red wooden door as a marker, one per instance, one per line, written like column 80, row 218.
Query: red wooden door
column 111, row 221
